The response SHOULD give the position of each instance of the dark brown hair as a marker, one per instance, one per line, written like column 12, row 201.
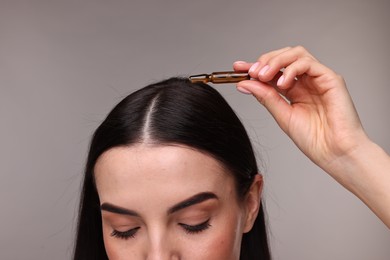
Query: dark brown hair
column 176, row 111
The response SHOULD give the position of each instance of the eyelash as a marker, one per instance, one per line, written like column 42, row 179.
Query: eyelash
column 126, row 234
column 190, row 229
column 196, row 228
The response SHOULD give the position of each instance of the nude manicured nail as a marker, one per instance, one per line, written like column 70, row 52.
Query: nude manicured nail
column 280, row 81
column 264, row 70
column 244, row 91
column 254, row 68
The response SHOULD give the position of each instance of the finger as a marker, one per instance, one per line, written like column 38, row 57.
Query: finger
column 305, row 65
column 269, row 97
column 282, row 60
column 263, row 60
column 242, row 66
column 253, row 68
column 273, row 83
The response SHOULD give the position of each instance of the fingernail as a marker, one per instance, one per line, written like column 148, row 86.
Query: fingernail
column 280, row 81
column 239, row 62
column 244, row 91
column 254, row 68
column 264, row 70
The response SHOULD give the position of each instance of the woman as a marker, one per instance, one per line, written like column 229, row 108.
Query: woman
column 171, row 172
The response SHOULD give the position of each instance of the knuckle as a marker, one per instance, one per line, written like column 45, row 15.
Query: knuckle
column 302, row 51
column 288, row 48
column 300, row 48
column 340, row 77
column 307, row 59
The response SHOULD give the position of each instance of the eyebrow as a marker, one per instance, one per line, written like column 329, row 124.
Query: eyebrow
column 118, row 210
column 196, row 199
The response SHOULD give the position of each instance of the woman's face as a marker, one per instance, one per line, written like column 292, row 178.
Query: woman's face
column 170, row 202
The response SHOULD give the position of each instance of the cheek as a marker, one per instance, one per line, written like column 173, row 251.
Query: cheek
column 117, row 249
column 110, row 246
column 226, row 246
column 110, row 249
column 224, row 243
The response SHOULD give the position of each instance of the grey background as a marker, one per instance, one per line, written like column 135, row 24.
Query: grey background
column 65, row 64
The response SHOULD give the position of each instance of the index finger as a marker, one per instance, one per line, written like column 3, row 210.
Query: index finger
column 242, row 66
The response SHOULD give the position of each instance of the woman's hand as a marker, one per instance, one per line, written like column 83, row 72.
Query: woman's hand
column 311, row 104
column 319, row 115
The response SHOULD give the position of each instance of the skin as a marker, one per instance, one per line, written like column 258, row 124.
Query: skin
column 150, row 181
column 319, row 116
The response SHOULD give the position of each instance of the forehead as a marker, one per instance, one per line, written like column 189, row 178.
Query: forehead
column 129, row 175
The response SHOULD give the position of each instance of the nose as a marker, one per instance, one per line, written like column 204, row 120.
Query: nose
column 162, row 248
column 158, row 254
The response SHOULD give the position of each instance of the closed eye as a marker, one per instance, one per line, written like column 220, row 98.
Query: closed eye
column 125, row 234
column 194, row 229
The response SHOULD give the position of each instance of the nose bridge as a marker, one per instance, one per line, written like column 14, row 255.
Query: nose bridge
column 161, row 247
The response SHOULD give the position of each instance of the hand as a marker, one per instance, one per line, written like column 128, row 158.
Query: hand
column 316, row 112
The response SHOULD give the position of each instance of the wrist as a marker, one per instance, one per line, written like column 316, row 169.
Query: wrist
column 365, row 171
